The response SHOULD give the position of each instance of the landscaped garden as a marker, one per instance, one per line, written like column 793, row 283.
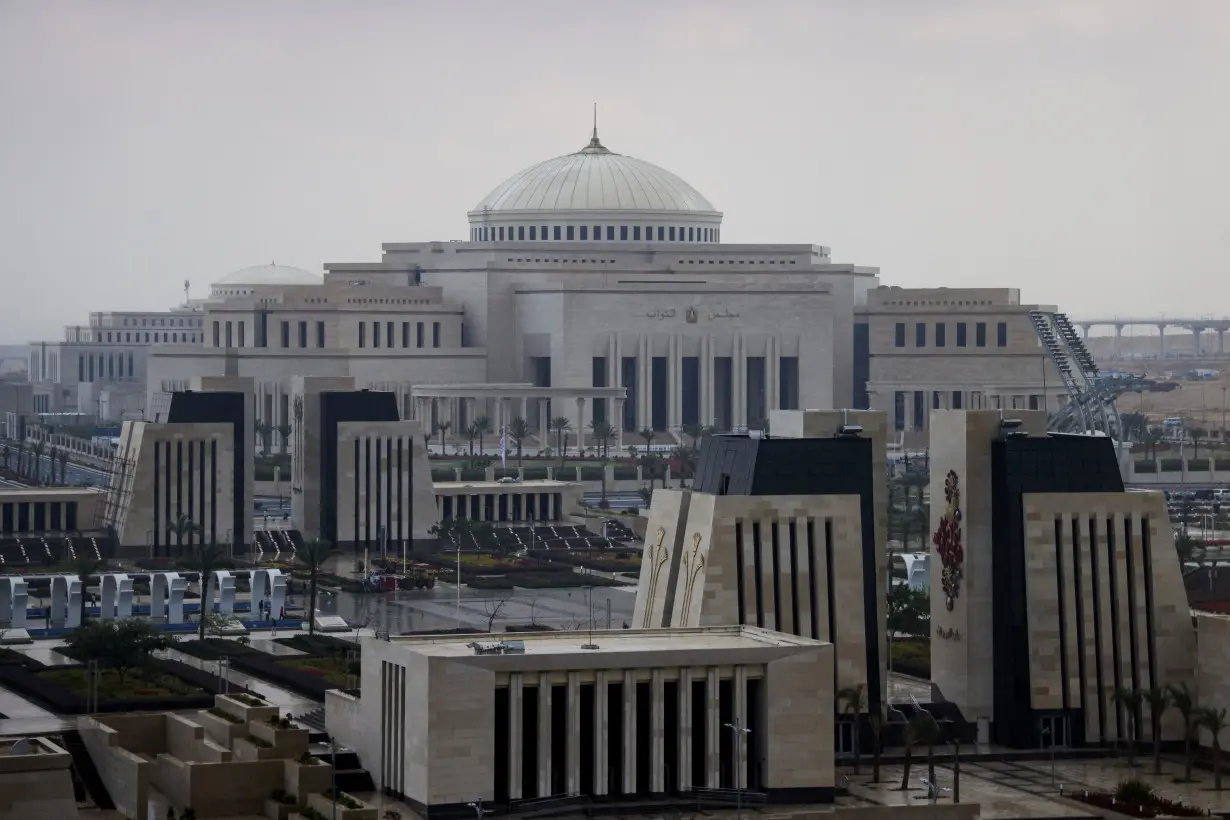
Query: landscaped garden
column 1136, row 798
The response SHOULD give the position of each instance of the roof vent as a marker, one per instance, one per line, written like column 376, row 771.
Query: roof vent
column 497, row 647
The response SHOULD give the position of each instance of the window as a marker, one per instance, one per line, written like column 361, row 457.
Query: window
column 610, row 233
column 303, row 334
column 920, row 334
column 570, row 233
column 405, row 334
column 980, row 334
column 937, row 400
column 362, row 333
column 217, row 343
column 229, row 341
column 690, row 235
column 544, row 232
column 555, row 230
column 435, row 334
column 960, row 334
column 419, row 335
column 956, row 400
column 900, row 334
column 636, row 233
column 671, row 233
column 899, row 410
column 533, row 232
column 1001, row 334
column 597, row 232
column 662, row 233
column 242, row 340
column 286, row 334
column 623, row 233
column 375, row 334
column 501, row 234
column 941, row 334
column 584, row 232
column 320, row 334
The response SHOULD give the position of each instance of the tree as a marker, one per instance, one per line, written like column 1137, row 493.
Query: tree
column 312, row 557
column 284, row 431
column 927, row 732
column 518, row 431
column 1158, row 699
column 441, row 428
column 207, row 559
column 483, row 425
column 1183, row 701
column 182, row 528
column 1130, row 700
column 909, row 611
column 472, row 433
column 647, row 434
column 603, row 434
column 854, row 700
column 909, row 736
column 493, row 607
column 122, row 645
column 1213, row 720
column 1197, row 434
column 1134, row 426
column 263, row 431
column 561, row 425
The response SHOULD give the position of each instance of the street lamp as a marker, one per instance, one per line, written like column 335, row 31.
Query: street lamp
column 740, row 733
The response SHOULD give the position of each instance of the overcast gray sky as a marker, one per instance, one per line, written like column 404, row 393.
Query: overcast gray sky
column 1075, row 149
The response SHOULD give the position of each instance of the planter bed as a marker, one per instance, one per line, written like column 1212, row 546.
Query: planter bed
column 289, row 672
column 212, row 649
column 318, row 644
column 1143, row 805
column 549, row 579
column 602, row 560
column 157, row 685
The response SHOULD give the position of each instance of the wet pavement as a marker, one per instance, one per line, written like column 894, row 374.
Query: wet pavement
column 274, row 695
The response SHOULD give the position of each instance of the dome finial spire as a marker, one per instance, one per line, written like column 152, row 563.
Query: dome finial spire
column 595, row 137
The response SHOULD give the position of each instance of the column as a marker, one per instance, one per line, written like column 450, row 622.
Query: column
column 706, row 380
column 544, row 735
column 685, row 729
column 580, row 424
column 1196, row 331
column 1118, row 339
column 740, row 720
column 601, row 732
column 1161, row 337
column 674, row 381
column 772, row 371
column 617, row 378
column 543, row 433
column 572, row 777
column 739, row 393
column 629, row 728
column 713, row 726
column 644, row 397
column 619, row 424
column 657, row 719
column 516, row 699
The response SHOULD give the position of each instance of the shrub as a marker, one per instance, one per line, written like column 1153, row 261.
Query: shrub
column 227, row 716
column 1171, row 465
column 284, row 797
column 1134, row 791
column 591, row 473
column 535, row 473
column 474, row 475
column 343, row 799
column 1220, row 464
column 439, row 474
column 307, row 759
column 1146, row 466
column 279, row 722
column 625, row 473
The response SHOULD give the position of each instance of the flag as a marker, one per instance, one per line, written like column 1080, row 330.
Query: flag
column 503, row 449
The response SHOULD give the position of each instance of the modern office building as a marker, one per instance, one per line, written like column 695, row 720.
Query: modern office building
column 786, row 534
column 1053, row 588
column 595, row 717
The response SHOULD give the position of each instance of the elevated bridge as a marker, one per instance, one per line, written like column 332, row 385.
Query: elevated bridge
column 1198, row 326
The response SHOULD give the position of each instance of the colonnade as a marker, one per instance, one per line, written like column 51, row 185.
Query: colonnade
column 537, row 406
column 612, row 727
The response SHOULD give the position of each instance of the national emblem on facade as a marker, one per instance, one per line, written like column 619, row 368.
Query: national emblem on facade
column 947, row 540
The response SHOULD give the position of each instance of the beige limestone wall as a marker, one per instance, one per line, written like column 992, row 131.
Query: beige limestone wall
column 660, row 557
column 415, row 478
column 305, row 466
column 461, row 732
column 126, row 775
column 962, row 661
column 44, row 794
column 1213, row 668
column 799, row 753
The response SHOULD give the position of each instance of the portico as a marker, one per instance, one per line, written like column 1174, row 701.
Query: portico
column 460, row 404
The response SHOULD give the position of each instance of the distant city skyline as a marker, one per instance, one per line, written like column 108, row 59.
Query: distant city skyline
column 1072, row 150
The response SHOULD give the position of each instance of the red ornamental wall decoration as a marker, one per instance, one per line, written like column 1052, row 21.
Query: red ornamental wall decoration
column 947, row 540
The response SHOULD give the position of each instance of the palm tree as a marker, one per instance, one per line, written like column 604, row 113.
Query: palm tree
column 1214, row 720
column 86, row 566
column 1182, row 700
column 483, row 425
column 206, row 559
column 1131, row 700
column 603, row 433
column 284, row 431
column 312, row 556
column 263, row 431
column 472, row 432
column 1158, row 699
column 854, row 699
column 561, row 425
column 518, row 431
column 442, row 429
column 182, row 528
column 647, row 434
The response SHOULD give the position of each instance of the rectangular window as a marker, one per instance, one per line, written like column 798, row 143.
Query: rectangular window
column 1001, row 334
column 610, row 233
column 597, row 232
column 543, row 232
column 956, row 400
column 941, row 334
column 623, row 233
column 435, row 334
column 320, row 334
column 303, row 334
column 900, row 341
column 388, row 334
column 920, row 410
column 937, row 400
column 960, row 334
column 636, row 233
column 362, row 334
column 501, row 234
column 405, row 334
column 899, row 410
column 662, row 233
column 418, row 335
column 375, row 334
column 533, row 232
column 520, row 232
column 217, row 334
column 286, row 334
column 671, row 233
column 584, row 232
column 555, row 231
column 691, row 237
column 980, row 334
column 920, row 334
column 230, row 342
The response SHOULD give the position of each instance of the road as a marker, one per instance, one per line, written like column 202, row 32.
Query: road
column 75, row 474
column 615, row 501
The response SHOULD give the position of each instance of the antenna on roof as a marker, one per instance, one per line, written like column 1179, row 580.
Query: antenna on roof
column 595, row 137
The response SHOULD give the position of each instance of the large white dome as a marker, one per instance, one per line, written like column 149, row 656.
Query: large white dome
column 595, row 192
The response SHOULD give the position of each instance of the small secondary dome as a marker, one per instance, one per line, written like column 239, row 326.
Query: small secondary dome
column 595, row 194
column 271, row 274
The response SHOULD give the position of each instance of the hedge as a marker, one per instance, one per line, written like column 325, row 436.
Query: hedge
column 500, row 472
column 266, row 667
column 1201, row 464
column 1171, row 465
column 1221, row 464
column 212, row 649
column 912, row 657
column 603, row 560
column 45, row 692
column 535, row 473
column 1146, row 467
column 591, row 473
column 443, row 474
column 623, row 473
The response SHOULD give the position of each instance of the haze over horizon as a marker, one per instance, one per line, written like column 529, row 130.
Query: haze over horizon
column 1073, row 150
